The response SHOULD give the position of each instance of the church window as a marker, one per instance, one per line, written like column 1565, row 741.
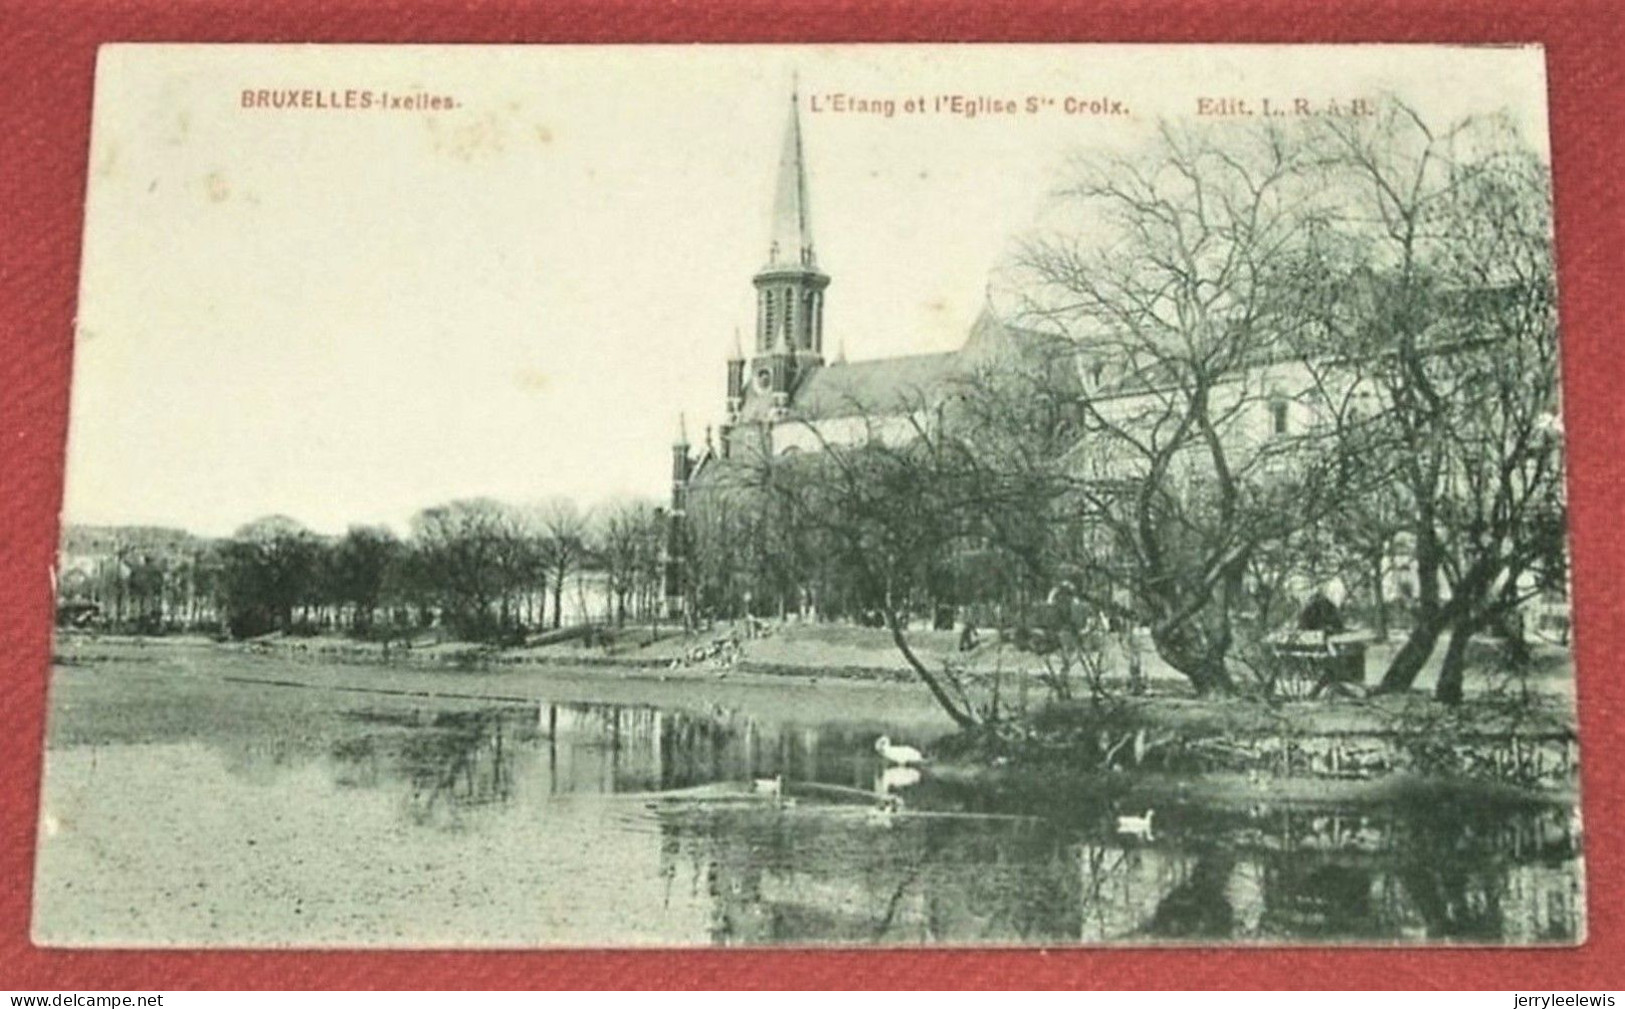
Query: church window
column 768, row 320
column 1278, row 416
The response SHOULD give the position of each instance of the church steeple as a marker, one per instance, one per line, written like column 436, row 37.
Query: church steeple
column 790, row 287
column 791, row 241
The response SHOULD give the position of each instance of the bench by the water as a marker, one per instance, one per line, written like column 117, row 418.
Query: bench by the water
column 1307, row 663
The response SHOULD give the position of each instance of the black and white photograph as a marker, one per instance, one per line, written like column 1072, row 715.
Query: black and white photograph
column 857, row 495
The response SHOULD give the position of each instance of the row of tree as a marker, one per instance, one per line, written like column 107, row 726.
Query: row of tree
column 481, row 569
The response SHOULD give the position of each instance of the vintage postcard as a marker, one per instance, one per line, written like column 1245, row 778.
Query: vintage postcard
column 873, row 495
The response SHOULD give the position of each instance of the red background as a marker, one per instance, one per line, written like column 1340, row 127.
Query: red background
column 47, row 56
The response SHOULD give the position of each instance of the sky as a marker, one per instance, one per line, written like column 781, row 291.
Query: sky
column 347, row 315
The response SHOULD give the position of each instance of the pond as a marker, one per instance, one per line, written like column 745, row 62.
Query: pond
column 188, row 811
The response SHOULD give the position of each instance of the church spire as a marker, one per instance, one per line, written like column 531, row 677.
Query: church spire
column 790, row 288
column 792, row 243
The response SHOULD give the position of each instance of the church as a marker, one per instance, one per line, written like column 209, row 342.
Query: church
column 786, row 396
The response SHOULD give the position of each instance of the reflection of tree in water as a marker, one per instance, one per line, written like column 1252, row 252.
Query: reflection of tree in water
column 1456, row 902
column 1316, row 871
column 465, row 762
column 1429, row 872
column 726, row 745
column 1012, row 881
column 1199, row 907
column 1167, row 890
column 626, row 748
column 1321, row 897
column 590, row 748
column 842, row 874
column 451, row 761
column 608, row 748
column 262, row 759
column 1481, row 874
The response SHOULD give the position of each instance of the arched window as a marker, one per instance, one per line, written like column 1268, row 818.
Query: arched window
column 767, row 320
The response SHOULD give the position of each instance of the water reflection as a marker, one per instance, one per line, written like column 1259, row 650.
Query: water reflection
column 468, row 757
column 577, row 788
column 944, row 870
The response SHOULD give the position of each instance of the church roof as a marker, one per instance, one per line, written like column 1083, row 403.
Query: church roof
column 884, row 385
column 898, row 385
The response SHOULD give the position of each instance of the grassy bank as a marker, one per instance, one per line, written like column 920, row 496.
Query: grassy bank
column 105, row 687
column 810, row 650
column 1376, row 749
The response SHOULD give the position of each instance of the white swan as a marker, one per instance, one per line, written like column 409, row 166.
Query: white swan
column 903, row 755
column 1136, row 826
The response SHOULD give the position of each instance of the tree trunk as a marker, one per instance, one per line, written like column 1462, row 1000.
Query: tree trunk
column 1413, row 655
column 1431, row 620
column 964, row 719
column 1449, row 688
column 1466, row 599
column 1211, row 677
column 1203, row 665
column 1379, row 603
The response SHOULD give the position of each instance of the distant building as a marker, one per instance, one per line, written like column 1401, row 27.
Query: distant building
column 147, row 575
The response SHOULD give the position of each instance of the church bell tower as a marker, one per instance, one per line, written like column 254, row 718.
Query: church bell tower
column 790, row 287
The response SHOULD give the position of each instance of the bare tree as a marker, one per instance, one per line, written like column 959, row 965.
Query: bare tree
column 1462, row 333
column 1202, row 435
column 887, row 508
column 269, row 570
column 626, row 540
column 563, row 527
column 460, row 548
column 360, row 570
